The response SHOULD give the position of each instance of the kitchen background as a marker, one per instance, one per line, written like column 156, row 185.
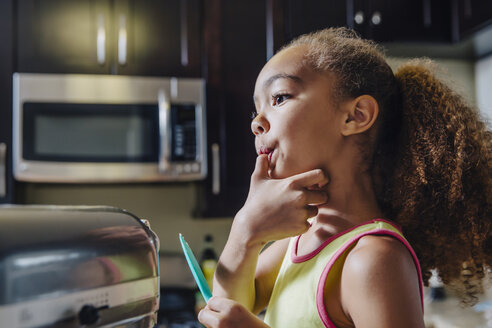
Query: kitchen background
column 225, row 42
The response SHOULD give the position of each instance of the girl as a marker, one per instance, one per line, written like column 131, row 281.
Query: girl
column 369, row 156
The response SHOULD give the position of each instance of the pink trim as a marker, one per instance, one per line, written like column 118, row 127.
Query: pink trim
column 321, row 285
column 302, row 258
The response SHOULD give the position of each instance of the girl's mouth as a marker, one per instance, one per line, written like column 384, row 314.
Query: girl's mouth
column 267, row 151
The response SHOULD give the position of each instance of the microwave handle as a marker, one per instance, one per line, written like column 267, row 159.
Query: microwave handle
column 101, row 40
column 122, row 40
column 164, row 133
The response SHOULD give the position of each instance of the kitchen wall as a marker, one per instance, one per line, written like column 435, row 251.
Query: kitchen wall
column 458, row 73
column 169, row 206
column 483, row 75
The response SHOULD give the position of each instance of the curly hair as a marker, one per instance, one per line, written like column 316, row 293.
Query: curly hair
column 430, row 159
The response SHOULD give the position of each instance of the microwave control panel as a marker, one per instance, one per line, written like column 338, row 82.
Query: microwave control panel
column 184, row 136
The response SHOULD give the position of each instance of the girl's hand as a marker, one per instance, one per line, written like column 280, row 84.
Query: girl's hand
column 279, row 208
column 224, row 313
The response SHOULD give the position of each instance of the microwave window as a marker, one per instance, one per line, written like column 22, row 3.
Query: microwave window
column 90, row 132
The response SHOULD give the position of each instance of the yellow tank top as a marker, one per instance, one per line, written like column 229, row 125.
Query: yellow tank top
column 297, row 298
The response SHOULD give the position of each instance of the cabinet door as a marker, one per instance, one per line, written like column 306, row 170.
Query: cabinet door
column 473, row 15
column 6, row 70
column 236, row 51
column 312, row 15
column 60, row 36
column 157, row 37
column 403, row 21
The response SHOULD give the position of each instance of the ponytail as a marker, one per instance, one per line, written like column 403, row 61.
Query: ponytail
column 440, row 189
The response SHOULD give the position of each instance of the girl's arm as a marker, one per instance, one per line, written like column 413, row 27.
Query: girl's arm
column 225, row 313
column 380, row 285
column 247, row 277
column 274, row 210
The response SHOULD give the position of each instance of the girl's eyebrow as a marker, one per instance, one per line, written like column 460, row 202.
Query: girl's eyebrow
column 271, row 79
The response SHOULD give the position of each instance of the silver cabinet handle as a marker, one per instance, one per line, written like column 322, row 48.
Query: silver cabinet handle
column 215, row 169
column 3, row 171
column 427, row 13
column 101, row 40
column 122, row 40
column 164, row 133
column 376, row 18
column 184, row 33
column 359, row 17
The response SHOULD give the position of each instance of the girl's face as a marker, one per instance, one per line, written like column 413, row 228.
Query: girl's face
column 297, row 123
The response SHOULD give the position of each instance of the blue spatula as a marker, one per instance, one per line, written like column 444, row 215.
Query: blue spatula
column 195, row 269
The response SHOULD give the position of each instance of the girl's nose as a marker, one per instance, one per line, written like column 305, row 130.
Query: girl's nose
column 260, row 125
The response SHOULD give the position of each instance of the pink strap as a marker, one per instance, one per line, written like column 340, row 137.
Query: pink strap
column 321, row 285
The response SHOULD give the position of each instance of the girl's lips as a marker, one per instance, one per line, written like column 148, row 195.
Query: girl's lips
column 267, row 151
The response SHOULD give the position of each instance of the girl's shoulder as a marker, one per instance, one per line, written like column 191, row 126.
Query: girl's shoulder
column 379, row 269
column 381, row 257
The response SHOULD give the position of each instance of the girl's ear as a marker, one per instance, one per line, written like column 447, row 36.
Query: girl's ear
column 360, row 115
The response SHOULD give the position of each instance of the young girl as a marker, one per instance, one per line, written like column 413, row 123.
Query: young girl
column 378, row 161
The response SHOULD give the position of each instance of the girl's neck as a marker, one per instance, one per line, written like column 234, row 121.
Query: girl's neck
column 352, row 201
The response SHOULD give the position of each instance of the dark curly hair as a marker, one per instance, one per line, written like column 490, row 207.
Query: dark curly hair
column 429, row 154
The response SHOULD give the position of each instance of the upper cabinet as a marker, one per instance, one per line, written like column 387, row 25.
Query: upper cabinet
column 6, row 70
column 238, row 42
column 380, row 20
column 472, row 15
column 130, row 37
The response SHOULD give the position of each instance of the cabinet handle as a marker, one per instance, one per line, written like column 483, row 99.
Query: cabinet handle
column 467, row 9
column 376, row 18
column 184, row 34
column 427, row 13
column 164, row 117
column 101, row 40
column 215, row 169
column 3, row 171
column 359, row 17
column 122, row 41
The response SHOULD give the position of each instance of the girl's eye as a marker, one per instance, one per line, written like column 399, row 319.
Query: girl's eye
column 279, row 99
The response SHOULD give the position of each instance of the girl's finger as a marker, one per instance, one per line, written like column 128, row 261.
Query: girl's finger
column 219, row 304
column 261, row 168
column 309, row 178
column 208, row 317
column 315, row 197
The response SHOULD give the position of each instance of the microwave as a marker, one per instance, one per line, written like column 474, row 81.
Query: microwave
column 78, row 128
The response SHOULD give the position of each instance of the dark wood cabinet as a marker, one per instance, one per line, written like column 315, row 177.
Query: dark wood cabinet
column 236, row 50
column 130, row 37
column 403, row 20
column 311, row 15
column 379, row 20
column 472, row 16
column 6, row 70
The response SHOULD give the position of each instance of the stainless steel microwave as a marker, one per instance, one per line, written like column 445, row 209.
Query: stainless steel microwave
column 75, row 128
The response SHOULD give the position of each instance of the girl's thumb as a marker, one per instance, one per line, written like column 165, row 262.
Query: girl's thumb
column 261, row 168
